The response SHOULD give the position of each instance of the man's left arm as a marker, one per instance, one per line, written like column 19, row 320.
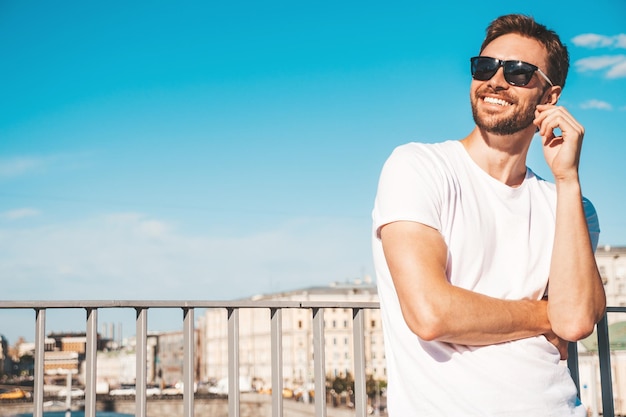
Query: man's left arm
column 576, row 298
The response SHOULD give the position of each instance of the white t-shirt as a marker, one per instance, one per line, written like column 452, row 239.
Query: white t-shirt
column 499, row 242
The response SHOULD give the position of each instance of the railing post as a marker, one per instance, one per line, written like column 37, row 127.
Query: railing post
column 90, row 366
column 188, row 359
column 606, row 380
column 319, row 362
column 141, row 357
column 233, row 362
column 360, row 392
column 40, row 337
column 276, row 315
column 572, row 364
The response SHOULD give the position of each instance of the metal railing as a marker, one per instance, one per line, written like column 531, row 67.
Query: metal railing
column 232, row 307
column 188, row 308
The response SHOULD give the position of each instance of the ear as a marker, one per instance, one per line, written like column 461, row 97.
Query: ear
column 552, row 95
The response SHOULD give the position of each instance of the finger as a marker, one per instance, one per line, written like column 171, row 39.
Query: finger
column 561, row 119
column 541, row 113
column 565, row 117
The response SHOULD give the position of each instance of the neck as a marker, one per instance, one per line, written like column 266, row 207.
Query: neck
column 502, row 157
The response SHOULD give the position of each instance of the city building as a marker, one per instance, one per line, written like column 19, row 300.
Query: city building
column 297, row 337
column 169, row 358
column 5, row 360
column 612, row 266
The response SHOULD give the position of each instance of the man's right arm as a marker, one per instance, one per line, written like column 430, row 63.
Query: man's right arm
column 434, row 309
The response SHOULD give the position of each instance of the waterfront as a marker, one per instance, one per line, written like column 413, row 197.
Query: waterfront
column 77, row 414
column 251, row 405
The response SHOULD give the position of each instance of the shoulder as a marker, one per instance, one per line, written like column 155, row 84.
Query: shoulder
column 427, row 149
column 416, row 154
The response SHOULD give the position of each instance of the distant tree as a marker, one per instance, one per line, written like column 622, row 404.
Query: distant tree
column 343, row 383
column 371, row 385
column 27, row 365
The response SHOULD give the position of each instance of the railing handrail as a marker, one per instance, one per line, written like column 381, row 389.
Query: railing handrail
column 52, row 304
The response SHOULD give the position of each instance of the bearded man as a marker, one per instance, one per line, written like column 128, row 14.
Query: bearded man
column 485, row 270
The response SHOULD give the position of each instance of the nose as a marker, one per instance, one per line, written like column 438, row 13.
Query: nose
column 497, row 81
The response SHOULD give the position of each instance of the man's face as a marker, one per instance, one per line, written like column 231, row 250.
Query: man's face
column 499, row 107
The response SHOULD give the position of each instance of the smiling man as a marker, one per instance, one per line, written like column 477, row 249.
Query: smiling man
column 486, row 271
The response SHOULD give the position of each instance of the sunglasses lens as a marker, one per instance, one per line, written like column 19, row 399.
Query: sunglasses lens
column 518, row 72
column 483, row 68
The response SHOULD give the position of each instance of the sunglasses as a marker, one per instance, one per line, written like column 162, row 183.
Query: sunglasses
column 517, row 73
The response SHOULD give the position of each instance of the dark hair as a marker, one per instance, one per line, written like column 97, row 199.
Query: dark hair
column 558, row 57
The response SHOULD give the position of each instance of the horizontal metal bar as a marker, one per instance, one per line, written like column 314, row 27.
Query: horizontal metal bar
column 180, row 304
column 342, row 304
column 146, row 304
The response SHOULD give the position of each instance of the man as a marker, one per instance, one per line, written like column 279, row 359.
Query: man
column 486, row 271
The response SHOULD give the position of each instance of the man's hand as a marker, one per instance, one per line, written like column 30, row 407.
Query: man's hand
column 562, row 152
column 559, row 343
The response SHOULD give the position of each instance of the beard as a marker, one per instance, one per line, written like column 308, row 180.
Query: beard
column 503, row 125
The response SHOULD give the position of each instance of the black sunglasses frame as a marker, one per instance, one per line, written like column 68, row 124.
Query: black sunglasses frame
column 516, row 73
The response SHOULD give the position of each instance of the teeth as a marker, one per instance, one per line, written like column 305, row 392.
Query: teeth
column 497, row 101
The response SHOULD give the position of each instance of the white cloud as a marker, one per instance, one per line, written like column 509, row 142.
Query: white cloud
column 613, row 64
column 19, row 166
column 131, row 256
column 617, row 71
column 138, row 225
column 596, row 104
column 19, row 213
column 592, row 40
column 599, row 62
column 23, row 165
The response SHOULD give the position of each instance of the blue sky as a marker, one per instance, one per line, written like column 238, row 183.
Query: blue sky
column 217, row 150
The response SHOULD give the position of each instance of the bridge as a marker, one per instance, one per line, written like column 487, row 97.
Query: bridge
column 237, row 404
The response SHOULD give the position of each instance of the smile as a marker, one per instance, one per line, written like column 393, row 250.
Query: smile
column 498, row 101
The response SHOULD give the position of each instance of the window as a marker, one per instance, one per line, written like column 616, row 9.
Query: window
column 602, row 271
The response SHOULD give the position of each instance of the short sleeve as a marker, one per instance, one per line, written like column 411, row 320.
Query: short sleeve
column 593, row 224
column 409, row 188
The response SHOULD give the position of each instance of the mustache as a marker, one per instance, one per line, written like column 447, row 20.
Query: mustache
column 489, row 91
